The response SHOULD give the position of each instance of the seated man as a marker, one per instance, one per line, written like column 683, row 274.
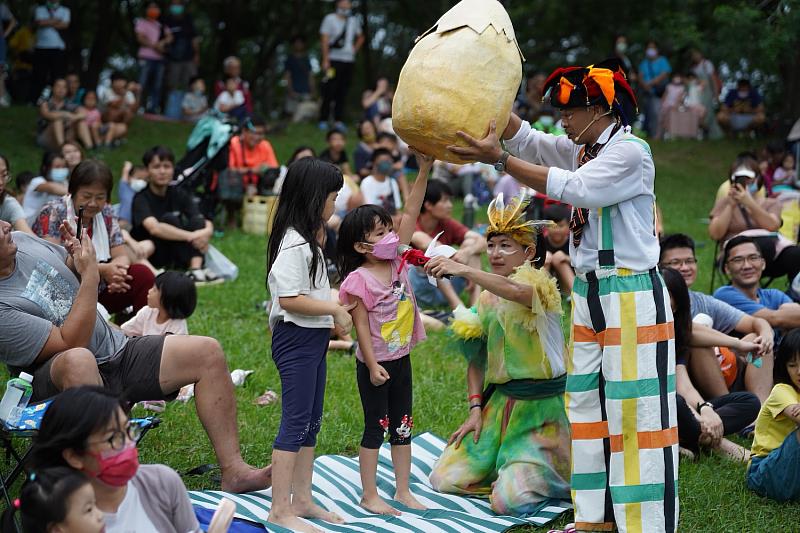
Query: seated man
column 744, row 263
column 718, row 371
column 435, row 217
column 742, row 110
column 556, row 240
column 52, row 330
column 169, row 218
column 250, row 157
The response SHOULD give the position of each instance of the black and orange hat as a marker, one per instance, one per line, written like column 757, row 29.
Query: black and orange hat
column 600, row 84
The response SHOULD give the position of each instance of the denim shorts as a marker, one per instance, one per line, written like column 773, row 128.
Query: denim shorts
column 777, row 476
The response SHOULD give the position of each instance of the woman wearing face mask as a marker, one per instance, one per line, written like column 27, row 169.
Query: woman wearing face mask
column 87, row 428
column 654, row 72
column 153, row 39
column 745, row 210
column 123, row 284
column 514, row 445
column 51, row 184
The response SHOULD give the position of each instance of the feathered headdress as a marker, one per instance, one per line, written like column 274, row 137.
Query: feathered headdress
column 510, row 220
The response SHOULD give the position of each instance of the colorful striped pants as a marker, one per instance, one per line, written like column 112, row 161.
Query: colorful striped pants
column 621, row 403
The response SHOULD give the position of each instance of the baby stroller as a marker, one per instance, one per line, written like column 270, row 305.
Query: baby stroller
column 206, row 156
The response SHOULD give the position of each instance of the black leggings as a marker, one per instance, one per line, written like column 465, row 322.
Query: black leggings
column 176, row 254
column 737, row 411
column 388, row 404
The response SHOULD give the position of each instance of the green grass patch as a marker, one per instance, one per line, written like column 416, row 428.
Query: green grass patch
column 712, row 491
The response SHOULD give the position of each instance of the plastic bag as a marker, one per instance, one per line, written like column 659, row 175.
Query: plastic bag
column 220, row 265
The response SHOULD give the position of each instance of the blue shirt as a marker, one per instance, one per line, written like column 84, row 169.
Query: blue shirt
column 725, row 316
column 650, row 70
column 767, row 299
column 739, row 104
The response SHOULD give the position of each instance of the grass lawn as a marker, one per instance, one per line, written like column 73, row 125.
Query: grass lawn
column 712, row 491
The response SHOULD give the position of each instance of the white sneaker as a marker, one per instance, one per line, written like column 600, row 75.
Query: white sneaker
column 203, row 276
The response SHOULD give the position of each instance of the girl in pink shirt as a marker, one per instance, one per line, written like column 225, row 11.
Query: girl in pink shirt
column 170, row 301
column 388, row 326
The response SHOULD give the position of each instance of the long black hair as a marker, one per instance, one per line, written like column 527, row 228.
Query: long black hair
column 682, row 315
column 69, row 421
column 305, row 190
column 788, row 350
column 44, row 498
column 354, row 229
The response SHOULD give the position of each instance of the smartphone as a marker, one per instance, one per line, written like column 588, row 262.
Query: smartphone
column 740, row 180
column 80, row 223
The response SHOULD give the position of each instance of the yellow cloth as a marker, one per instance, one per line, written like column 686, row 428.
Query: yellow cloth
column 772, row 426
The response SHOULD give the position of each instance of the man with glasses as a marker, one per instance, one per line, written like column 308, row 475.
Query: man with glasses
column 743, row 263
column 716, row 372
column 621, row 381
column 51, row 329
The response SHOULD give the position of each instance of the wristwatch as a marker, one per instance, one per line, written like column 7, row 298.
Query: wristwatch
column 700, row 406
column 500, row 166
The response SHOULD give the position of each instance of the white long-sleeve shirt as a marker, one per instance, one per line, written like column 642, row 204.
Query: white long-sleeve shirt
column 622, row 175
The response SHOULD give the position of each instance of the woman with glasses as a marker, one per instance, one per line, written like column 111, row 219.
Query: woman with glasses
column 744, row 210
column 88, row 429
column 10, row 210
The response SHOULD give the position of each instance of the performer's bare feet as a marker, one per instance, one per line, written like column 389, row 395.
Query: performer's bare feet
column 377, row 505
column 245, row 478
column 292, row 522
column 312, row 510
column 409, row 500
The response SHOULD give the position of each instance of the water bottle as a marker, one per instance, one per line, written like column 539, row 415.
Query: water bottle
column 468, row 216
column 15, row 400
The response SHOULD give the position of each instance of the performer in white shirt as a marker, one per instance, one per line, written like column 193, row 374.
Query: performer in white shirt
column 621, row 383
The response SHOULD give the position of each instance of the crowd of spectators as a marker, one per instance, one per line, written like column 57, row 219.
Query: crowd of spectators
column 140, row 260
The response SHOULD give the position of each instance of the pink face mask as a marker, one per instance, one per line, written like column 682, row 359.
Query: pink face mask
column 116, row 468
column 386, row 248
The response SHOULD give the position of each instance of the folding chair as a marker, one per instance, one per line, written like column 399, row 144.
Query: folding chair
column 23, row 433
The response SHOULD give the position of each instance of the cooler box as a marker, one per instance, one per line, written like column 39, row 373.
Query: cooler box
column 683, row 123
column 259, row 212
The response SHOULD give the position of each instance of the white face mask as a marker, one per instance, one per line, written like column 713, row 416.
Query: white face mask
column 622, row 47
column 652, row 53
column 59, row 174
column 138, row 185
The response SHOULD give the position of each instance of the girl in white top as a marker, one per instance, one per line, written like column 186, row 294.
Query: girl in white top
column 50, row 185
column 170, row 301
column 301, row 317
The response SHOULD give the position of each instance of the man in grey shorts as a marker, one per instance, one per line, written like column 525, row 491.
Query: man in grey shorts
column 51, row 329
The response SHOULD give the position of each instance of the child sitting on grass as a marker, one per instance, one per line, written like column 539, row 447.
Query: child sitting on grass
column 388, row 326
column 774, row 470
column 170, row 301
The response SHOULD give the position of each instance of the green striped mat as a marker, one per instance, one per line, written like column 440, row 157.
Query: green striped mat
column 337, row 487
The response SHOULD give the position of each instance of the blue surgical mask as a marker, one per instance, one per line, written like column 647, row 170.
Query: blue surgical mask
column 753, row 187
column 176, row 9
column 384, row 167
column 59, row 174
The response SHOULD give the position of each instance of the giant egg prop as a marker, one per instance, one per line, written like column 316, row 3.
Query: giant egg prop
column 461, row 73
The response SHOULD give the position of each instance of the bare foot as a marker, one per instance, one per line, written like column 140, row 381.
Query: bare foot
column 312, row 510
column 292, row 522
column 246, row 478
column 377, row 505
column 409, row 500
